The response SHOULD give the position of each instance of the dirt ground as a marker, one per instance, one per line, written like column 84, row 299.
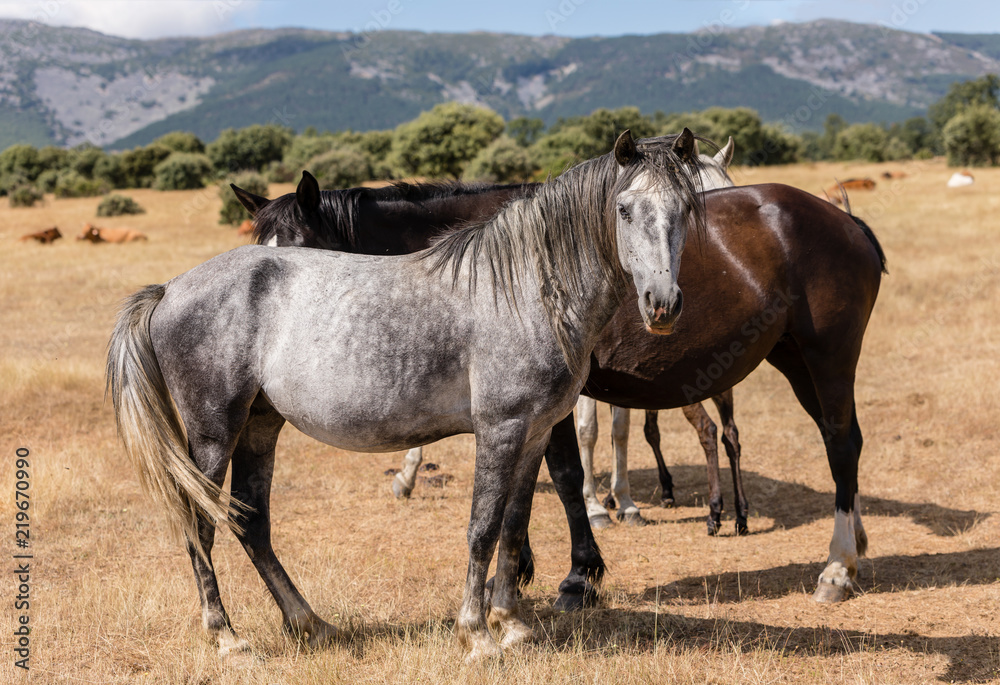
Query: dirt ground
column 113, row 599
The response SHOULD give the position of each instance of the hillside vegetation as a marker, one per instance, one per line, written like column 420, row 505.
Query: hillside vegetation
column 66, row 86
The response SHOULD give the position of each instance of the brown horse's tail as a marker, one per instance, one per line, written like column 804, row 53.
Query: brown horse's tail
column 870, row 234
column 865, row 228
column 150, row 428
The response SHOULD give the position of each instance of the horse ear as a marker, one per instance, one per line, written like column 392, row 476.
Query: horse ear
column 625, row 148
column 724, row 157
column 253, row 203
column 307, row 193
column 684, row 146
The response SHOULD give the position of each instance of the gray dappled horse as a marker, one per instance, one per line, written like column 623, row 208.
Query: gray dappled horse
column 488, row 332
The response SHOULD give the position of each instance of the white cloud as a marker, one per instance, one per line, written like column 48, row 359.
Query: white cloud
column 135, row 18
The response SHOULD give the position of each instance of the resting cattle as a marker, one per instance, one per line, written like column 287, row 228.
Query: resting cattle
column 833, row 193
column 46, row 237
column 110, row 235
column 961, row 178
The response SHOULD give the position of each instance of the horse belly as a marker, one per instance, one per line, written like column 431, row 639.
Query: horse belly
column 369, row 418
column 371, row 386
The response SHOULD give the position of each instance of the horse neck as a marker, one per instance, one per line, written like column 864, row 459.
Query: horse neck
column 577, row 311
column 403, row 226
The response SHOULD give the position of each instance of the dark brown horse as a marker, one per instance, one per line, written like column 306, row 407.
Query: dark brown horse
column 776, row 274
column 798, row 279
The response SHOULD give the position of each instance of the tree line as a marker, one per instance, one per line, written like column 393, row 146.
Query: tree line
column 461, row 141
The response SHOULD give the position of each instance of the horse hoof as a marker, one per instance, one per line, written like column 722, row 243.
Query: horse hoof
column 568, row 602
column 482, row 648
column 399, row 489
column 609, row 502
column 828, row 593
column 516, row 634
column 741, row 528
column 600, row 521
column 667, row 502
column 233, row 649
column 632, row 519
column 713, row 527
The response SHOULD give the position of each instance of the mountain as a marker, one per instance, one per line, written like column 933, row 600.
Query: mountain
column 67, row 85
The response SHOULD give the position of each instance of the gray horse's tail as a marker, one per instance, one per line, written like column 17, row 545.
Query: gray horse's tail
column 150, row 428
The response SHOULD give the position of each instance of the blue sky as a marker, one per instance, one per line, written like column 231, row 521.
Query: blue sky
column 159, row 18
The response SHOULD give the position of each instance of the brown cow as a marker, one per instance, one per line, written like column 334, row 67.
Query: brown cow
column 833, row 192
column 110, row 235
column 46, row 237
column 246, row 228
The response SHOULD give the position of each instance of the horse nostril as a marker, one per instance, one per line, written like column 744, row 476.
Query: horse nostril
column 647, row 300
column 675, row 311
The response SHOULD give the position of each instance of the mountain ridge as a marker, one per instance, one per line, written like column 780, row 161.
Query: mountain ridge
column 65, row 86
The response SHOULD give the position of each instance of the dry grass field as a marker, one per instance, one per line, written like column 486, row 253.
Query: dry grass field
column 113, row 598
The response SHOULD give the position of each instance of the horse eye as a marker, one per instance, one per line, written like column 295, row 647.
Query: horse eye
column 624, row 213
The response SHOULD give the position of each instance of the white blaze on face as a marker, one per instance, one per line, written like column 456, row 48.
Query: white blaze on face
column 273, row 242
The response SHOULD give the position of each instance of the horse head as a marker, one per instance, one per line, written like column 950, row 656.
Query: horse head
column 653, row 206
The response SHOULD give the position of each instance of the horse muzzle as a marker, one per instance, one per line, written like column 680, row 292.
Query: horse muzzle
column 660, row 313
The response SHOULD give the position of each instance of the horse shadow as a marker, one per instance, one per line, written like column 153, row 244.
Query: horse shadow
column 788, row 505
column 971, row 658
column 893, row 573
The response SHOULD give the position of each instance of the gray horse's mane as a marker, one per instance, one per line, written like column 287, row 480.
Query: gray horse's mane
column 564, row 232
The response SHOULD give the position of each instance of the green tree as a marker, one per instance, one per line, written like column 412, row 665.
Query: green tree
column 20, row 160
column 917, row 135
column 84, row 157
column 981, row 91
column 502, row 161
column 181, row 141
column 342, row 167
column 868, row 142
column 972, row 137
column 182, row 171
column 138, row 165
column 524, row 130
column 118, row 205
column 250, row 148
column 443, row 141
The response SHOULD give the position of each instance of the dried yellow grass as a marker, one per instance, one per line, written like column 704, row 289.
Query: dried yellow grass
column 114, row 598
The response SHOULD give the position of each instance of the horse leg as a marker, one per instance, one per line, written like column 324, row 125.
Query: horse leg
column 212, row 458
column 213, row 614
column 253, row 467
column 826, row 390
column 731, row 441
column 708, row 435
column 504, row 614
column 499, row 452
column 403, row 482
column 628, row 512
column 651, row 430
column 587, row 567
column 586, row 424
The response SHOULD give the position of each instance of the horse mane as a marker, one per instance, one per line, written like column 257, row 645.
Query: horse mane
column 339, row 209
column 564, row 231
